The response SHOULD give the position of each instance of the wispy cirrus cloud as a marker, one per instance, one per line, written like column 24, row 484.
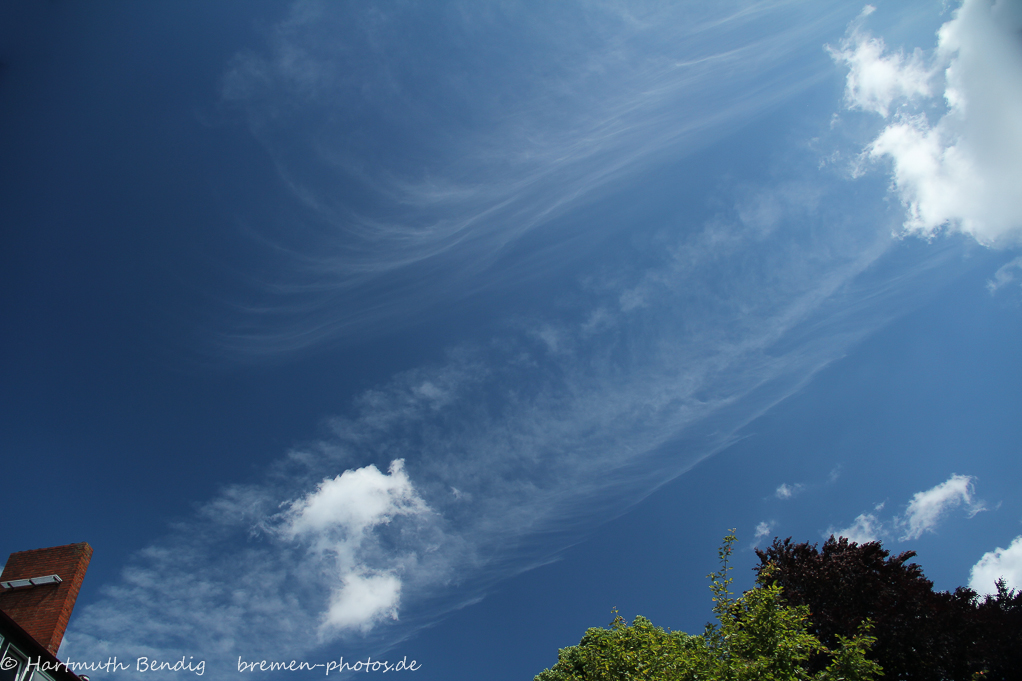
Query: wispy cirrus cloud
column 1004, row 275
column 415, row 181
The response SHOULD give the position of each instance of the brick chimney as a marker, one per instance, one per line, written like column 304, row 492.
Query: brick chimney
column 32, row 597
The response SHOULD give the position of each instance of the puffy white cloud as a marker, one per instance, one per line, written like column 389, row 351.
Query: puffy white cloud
column 242, row 574
column 363, row 600
column 927, row 508
column 354, row 502
column 963, row 171
column 336, row 518
column 866, row 528
column 997, row 564
column 875, row 79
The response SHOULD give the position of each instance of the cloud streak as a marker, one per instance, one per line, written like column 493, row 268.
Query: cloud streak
column 414, row 182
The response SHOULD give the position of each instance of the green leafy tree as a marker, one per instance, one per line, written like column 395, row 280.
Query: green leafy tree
column 757, row 636
column 636, row 651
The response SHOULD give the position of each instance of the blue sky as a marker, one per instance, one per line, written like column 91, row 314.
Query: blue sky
column 441, row 330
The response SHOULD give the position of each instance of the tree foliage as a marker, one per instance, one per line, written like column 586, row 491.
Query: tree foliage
column 757, row 636
column 636, row 651
column 921, row 634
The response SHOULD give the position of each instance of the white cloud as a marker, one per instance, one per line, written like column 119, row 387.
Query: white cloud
column 336, row 518
column 363, row 600
column 876, row 80
column 866, row 528
column 997, row 564
column 923, row 513
column 244, row 573
column 786, row 491
column 1004, row 275
column 352, row 503
column 763, row 530
column 927, row 508
column 962, row 172
column 501, row 151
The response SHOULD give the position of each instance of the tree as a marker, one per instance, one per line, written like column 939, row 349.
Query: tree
column 996, row 634
column 757, row 637
column 921, row 634
column 636, row 651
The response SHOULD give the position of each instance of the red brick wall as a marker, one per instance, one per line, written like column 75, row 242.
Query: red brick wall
column 43, row 611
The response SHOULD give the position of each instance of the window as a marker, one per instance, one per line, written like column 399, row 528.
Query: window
column 12, row 664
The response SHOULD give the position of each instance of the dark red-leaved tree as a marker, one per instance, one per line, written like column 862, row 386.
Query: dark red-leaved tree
column 921, row 634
